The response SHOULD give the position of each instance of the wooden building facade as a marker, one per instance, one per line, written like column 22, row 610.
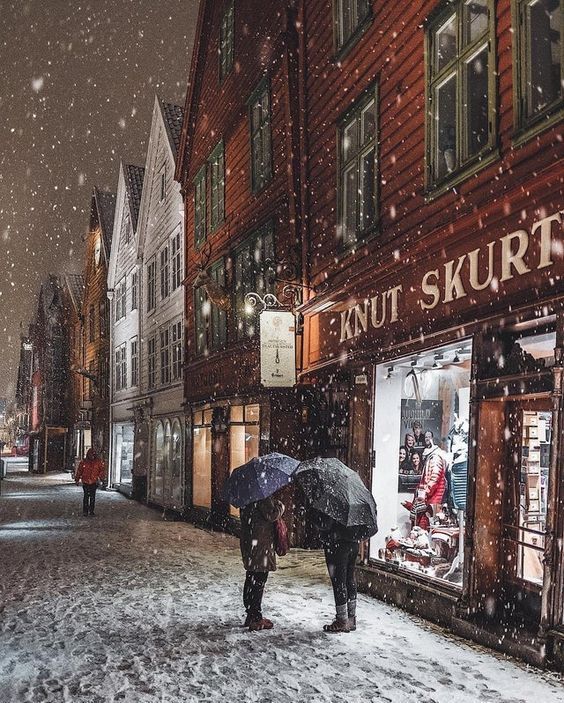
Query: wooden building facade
column 434, row 341
column 239, row 172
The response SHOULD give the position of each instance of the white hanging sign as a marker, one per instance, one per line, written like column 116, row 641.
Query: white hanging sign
column 277, row 349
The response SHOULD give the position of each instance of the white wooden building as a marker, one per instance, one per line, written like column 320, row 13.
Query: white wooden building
column 159, row 431
column 124, row 291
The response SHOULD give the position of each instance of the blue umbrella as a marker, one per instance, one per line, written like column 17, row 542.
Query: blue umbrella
column 259, row 478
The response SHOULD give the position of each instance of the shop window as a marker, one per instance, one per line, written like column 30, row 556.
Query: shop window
column 244, row 437
column 123, row 452
column 349, row 18
column 261, row 149
column 216, row 166
column 201, row 460
column 358, row 172
column 176, row 464
column 538, row 56
column 251, row 276
column 159, row 461
column 421, row 461
column 461, row 95
column 226, row 40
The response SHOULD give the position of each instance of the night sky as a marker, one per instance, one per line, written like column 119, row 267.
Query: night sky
column 77, row 85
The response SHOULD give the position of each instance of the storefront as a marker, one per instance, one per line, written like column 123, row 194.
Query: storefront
column 453, row 356
column 166, row 473
column 123, row 453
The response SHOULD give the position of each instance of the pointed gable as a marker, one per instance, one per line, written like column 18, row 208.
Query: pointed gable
column 103, row 210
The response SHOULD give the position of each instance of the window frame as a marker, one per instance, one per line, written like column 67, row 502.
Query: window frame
column 262, row 89
column 164, row 269
column 212, row 330
column 165, row 355
column 265, row 234
column 134, row 361
column 356, row 110
column 176, row 347
column 151, row 284
column 152, row 361
column 200, row 207
column 525, row 126
column 216, row 170
column 466, row 166
column 226, row 41
column 134, row 290
column 341, row 47
column 176, row 260
column 120, row 360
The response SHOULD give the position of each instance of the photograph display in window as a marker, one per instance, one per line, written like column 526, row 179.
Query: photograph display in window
column 421, row 461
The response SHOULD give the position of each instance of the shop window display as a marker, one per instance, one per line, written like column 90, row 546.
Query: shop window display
column 421, row 460
column 244, row 430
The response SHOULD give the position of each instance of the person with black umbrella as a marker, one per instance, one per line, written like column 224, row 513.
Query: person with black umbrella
column 345, row 513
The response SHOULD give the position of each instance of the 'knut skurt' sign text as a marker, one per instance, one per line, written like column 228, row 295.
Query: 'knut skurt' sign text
column 490, row 266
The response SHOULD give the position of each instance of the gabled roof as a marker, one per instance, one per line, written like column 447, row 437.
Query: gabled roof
column 134, row 185
column 75, row 285
column 172, row 118
column 106, row 206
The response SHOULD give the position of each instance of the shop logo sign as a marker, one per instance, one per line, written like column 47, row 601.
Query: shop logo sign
column 488, row 266
column 277, row 349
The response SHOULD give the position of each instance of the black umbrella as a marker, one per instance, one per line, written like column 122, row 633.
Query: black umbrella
column 337, row 491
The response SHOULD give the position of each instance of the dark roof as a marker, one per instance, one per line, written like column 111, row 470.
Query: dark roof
column 106, row 205
column 134, row 185
column 75, row 284
column 172, row 115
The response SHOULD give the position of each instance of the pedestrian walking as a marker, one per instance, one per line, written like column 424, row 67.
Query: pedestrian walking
column 90, row 471
column 259, row 556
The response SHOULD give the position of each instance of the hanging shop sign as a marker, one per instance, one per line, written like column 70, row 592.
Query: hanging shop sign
column 496, row 268
column 277, row 349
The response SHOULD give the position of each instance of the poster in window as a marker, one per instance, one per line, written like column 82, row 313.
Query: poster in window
column 277, row 349
column 417, row 417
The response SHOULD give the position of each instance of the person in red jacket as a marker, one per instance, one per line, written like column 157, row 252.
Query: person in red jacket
column 90, row 471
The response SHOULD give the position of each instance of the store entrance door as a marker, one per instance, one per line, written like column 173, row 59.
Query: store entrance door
column 529, row 433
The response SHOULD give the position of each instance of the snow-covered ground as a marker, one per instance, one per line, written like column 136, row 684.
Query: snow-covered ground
column 128, row 607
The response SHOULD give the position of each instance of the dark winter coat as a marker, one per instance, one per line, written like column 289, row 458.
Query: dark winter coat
column 257, row 534
column 332, row 532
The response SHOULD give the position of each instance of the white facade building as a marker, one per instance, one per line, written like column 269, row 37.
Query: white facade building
column 124, row 291
column 159, row 449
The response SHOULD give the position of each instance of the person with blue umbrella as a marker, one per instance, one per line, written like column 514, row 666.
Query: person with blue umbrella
column 252, row 488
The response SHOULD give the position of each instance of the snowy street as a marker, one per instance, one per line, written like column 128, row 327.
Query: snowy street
column 128, row 607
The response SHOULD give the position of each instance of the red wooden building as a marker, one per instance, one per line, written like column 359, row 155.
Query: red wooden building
column 434, row 199
column 241, row 189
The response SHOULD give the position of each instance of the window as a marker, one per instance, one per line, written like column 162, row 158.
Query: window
column 200, row 206
column 163, row 184
column 358, row 172
column 201, row 459
column 211, row 321
column 244, row 437
column 226, row 40
column 261, row 160
column 121, row 367
column 165, row 273
column 460, row 118
column 121, row 300
column 250, row 275
column 134, row 290
column 91, row 324
column 176, row 337
column 134, row 349
column 152, row 362
column 151, row 285
column 176, row 257
column 165, row 355
column 420, row 476
column 217, row 186
column 538, row 58
column 349, row 16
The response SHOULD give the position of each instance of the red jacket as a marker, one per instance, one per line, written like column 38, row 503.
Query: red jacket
column 433, row 479
column 90, row 471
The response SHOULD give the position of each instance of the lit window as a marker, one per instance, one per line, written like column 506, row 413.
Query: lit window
column 349, row 16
